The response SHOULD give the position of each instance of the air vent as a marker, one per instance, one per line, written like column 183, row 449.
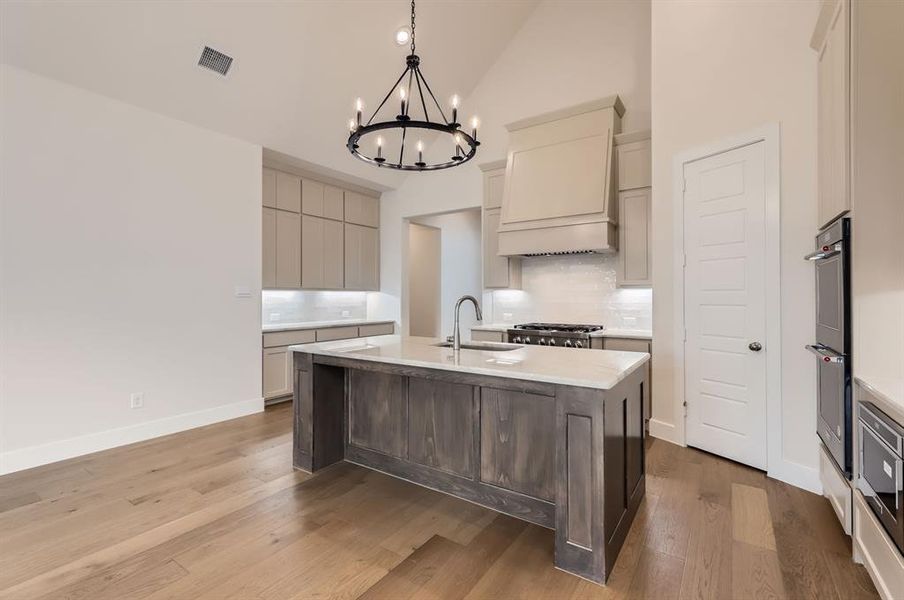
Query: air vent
column 215, row 61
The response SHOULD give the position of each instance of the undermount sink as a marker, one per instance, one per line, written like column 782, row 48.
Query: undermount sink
column 486, row 346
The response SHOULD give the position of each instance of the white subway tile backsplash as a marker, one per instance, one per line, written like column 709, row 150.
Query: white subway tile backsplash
column 572, row 289
column 298, row 306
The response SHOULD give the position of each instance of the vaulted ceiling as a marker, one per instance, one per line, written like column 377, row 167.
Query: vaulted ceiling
column 298, row 65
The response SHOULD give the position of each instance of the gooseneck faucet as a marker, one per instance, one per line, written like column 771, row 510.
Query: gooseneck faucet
column 456, row 334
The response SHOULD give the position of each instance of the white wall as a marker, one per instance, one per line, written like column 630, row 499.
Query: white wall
column 461, row 266
column 721, row 69
column 566, row 53
column 122, row 237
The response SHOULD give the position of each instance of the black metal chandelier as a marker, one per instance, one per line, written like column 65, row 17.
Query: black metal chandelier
column 462, row 144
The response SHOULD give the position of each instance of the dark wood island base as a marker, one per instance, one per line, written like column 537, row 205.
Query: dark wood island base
column 567, row 458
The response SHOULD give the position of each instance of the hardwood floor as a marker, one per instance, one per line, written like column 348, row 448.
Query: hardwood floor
column 218, row 513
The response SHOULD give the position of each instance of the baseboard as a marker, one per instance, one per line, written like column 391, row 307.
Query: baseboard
column 797, row 475
column 664, row 431
column 35, row 456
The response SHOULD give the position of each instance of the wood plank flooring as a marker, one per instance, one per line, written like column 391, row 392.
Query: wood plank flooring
column 218, row 513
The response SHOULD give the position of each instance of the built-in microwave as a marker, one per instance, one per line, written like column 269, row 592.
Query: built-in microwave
column 882, row 468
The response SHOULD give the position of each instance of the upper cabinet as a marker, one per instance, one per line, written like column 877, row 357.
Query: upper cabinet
column 831, row 40
column 322, row 200
column 317, row 235
column 498, row 271
column 559, row 191
column 635, row 208
column 362, row 210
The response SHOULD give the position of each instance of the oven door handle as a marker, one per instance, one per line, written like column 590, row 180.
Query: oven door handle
column 824, row 254
column 827, row 355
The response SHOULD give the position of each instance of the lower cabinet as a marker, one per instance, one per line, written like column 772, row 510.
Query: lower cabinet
column 277, row 372
column 277, row 360
column 441, row 425
column 378, row 412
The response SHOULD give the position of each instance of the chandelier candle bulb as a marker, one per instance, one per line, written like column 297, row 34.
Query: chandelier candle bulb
column 402, row 96
column 351, row 125
column 474, row 123
column 455, row 108
column 420, row 151
column 379, row 148
column 360, row 107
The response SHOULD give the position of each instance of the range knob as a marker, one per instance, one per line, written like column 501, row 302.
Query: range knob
column 542, row 342
column 552, row 342
column 517, row 339
column 568, row 343
column 579, row 344
column 527, row 340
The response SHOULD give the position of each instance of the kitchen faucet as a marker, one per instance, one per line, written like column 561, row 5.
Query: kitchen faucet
column 456, row 334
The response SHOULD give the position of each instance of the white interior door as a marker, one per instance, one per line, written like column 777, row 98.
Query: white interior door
column 725, row 304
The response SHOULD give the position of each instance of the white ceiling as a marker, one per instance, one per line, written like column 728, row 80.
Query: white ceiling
column 298, row 65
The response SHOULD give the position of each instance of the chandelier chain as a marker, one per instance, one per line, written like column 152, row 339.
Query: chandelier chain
column 412, row 26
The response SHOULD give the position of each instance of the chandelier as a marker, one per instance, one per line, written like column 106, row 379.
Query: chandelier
column 367, row 141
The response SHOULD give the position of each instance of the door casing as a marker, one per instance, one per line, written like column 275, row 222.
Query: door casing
column 770, row 135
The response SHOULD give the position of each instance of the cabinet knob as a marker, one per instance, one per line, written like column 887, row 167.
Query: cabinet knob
column 755, row 346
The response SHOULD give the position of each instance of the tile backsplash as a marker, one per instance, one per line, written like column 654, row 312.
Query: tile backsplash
column 300, row 307
column 578, row 288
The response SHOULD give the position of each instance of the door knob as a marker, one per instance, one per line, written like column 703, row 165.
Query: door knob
column 755, row 346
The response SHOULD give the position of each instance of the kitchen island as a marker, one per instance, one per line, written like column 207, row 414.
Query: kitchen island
column 553, row 436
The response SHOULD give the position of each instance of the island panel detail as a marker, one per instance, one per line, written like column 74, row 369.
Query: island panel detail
column 564, row 457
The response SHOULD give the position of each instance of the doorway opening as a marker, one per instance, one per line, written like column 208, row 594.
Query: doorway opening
column 443, row 263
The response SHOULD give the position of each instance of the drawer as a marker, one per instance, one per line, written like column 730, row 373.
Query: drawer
column 378, row 329
column 626, row 344
column 288, row 338
column 336, row 333
column 875, row 550
column 836, row 488
column 480, row 335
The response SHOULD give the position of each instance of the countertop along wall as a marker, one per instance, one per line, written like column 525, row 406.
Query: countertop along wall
column 721, row 69
column 566, row 53
column 124, row 238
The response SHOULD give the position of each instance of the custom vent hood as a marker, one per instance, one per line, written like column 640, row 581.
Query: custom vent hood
column 560, row 193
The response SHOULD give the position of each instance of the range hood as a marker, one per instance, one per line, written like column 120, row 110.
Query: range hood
column 560, row 193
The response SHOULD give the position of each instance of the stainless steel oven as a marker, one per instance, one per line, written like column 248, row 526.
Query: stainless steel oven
column 882, row 469
column 832, row 345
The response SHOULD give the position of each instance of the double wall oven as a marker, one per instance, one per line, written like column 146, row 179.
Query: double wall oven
column 832, row 346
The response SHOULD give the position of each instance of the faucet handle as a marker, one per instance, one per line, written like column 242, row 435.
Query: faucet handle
column 450, row 338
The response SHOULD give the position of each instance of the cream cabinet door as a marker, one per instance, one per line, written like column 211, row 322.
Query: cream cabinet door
column 494, row 187
column 833, row 88
column 634, row 238
column 268, row 196
column 495, row 267
column 361, row 209
column 322, row 250
column 634, row 165
column 268, row 278
column 362, row 257
column 321, row 200
column 277, row 372
column 288, row 192
column 288, row 249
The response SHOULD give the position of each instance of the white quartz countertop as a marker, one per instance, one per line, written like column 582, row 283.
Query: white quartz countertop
column 271, row 327
column 638, row 334
column 599, row 369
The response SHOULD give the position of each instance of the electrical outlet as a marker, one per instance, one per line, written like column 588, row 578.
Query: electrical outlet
column 346, row 313
column 136, row 400
column 274, row 317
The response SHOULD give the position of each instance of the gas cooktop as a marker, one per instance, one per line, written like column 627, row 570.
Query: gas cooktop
column 560, row 327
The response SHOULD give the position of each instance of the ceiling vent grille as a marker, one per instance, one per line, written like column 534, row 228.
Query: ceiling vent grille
column 561, row 253
column 215, row 61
